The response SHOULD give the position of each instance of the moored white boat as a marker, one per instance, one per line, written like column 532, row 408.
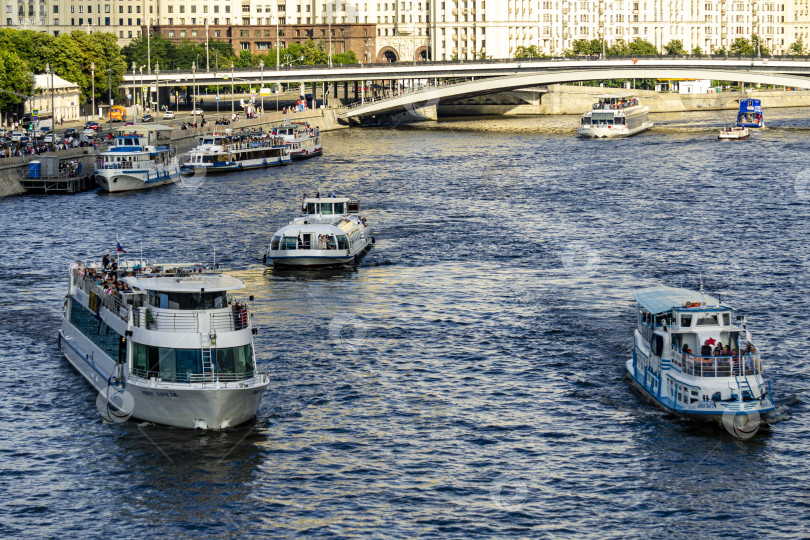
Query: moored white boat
column 614, row 116
column 329, row 233
column 722, row 381
column 734, row 133
column 227, row 152
column 136, row 160
column 169, row 337
column 302, row 140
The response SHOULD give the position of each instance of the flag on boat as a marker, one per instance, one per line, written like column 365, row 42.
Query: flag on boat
column 118, row 247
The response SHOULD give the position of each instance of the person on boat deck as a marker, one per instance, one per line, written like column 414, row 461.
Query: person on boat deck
column 687, row 350
column 80, row 269
column 706, row 349
column 105, row 262
column 726, row 351
column 300, row 241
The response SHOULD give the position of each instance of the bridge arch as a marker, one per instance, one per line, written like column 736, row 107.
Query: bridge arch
column 478, row 87
column 388, row 54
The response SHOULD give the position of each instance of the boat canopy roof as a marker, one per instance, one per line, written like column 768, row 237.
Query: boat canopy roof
column 142, row 129
column 308, row 228
column 615, row 96
column 186, row 284
column 326, row 199
column 663, row 299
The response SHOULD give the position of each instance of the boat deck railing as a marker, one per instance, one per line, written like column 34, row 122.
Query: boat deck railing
column 236, row 318
column 717, row 366
column 188, row 377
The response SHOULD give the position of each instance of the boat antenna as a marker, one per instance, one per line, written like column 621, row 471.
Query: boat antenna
column 702, row 292
column 215, row 256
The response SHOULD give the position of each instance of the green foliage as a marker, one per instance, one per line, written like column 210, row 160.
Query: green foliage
column 797, row 47
column 697, row 51
column 759, row 48
column 742, row 47
column 345, row 58
column 675, row 46
column 527, row 52
column 15, row 77
column 639, row 47
column 618, row 48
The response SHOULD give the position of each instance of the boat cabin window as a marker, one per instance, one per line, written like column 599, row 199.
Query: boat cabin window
column 686, row 321
column 180, row 364
column 275, row 242
column 288, row 242
column 707, row 320
column 339, row 208
column 326, row 208
column 342, row 242
column 727, row 319
column 188, row 300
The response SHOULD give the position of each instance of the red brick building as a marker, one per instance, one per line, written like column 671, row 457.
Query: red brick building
column 360, row 38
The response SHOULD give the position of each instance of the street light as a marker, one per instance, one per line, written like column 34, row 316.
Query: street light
column 109, row 96
column 233, row 110
column 49, row 71
column 93, row 78
column 261, row 85
column 194, row 90
column 157, row 87
column 134, row 101
column 143, row 99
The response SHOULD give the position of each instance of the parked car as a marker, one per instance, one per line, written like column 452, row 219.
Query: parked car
column 3, row 133
column 168, row 115
column 24, row 141
column 16, row 135
column 51, row 138
column 44, row 129
column 197, row 111
column 147, row 118
column 70, row 132
column 92, row 125
column 89, row 133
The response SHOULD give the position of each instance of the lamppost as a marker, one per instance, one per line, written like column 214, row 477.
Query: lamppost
column 148, row 47
column 278, row 49
column 109, row 96
column 194, row 91
column 207, row 39
column 93, row 79
column 134, row 100
column 261, row 85
column 330, row 40
column 233, row 98
column 49, row 71
column 143, row 99
column 157, row 87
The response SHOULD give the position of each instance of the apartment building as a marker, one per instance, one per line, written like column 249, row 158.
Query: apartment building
column 417, row 30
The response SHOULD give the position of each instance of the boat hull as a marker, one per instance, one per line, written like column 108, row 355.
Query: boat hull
column 715, row 414
column 314, row 258
column 247, row 165
column 116, row 180
column 212, row 405
column 611, row 132
column 306, row 153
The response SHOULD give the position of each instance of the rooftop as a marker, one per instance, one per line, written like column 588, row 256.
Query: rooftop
column 662, row 299
column 192, row 283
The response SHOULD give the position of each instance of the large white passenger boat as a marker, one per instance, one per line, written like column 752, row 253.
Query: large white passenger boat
column 303, row 140
column 170, row 336
column 227, row 152
column 136, row 159
column 614, row 116
column 330, row 232
column 692, row 358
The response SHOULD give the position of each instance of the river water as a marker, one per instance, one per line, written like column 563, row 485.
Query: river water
column 467, row 378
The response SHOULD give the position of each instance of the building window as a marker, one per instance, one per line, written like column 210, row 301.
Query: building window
column 129, row 9
column 244, row 33
column 182, row 9
column 216, row 9
column 55, row 9
column 106, row 21
column 216, row 32
column 171, row 33
column 193, row 33
column 171, row 9
column 245, row 46
column 182, row 33
column 106, row 8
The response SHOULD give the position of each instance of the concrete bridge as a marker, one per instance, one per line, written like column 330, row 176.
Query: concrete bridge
column 485, row 77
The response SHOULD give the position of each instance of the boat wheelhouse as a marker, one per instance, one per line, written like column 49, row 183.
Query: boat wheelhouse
column 302, row 140
column 614, row 116
column 691, row 357
column 227, row 152
column 330, row 232
column 171, row 336
column 750, row 113
column 139, row 157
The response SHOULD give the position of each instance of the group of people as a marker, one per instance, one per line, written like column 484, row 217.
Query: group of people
column 107, row 279
column 716, row 356
column 326, row 242
column 19, row 150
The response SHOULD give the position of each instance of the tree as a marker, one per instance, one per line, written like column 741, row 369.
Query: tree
column 618, row 48
column 584, row 47
column 161, row 49
column 639, row 47
column 742, row 47
column 347, row 57
column 526, row 52
column 797, row 47
column 15, row 77
column 697, row 51
column 675, row 46
column 759, row 48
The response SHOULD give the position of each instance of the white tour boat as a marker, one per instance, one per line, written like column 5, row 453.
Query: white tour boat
column 693, row 359
column 302, row 140
column 614, row 116
column 329, row 233
column 136, row 159
column 170, row 336
column 227, row 152
column 734, row 133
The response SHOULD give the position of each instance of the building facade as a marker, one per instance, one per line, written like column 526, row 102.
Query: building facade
column 416, row 30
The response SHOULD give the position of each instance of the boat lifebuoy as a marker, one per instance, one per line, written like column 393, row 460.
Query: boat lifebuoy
column 692, row 304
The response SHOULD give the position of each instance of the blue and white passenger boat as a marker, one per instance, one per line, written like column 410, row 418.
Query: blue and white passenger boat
column 169, row 337
column 613, row 116
column 136, row 159
column 330, row 232
column 303, row 140
column 750, row 113
column 227, row 152
column 692, row 358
